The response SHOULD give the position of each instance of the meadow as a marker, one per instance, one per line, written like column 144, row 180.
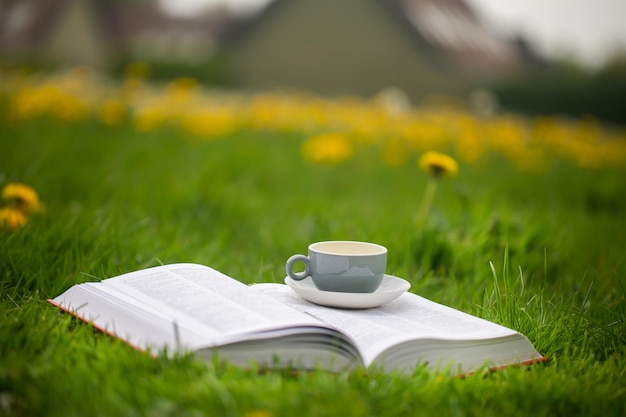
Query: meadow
column 132, row 174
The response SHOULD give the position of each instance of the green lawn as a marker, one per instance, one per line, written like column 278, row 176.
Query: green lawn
column 539, row 251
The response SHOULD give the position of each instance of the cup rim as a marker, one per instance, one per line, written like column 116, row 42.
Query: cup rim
column 376, row 249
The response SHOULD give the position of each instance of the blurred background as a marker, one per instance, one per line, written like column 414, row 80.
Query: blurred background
column 537, row 57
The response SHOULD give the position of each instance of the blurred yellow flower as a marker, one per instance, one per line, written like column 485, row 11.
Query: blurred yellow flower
column 21, row 197
column 11, row 218
column 149, row 118
column 438, row 165
column 210, row 122
column 49, row 99
column 388, row 125
column 182, row 91
column 328, row 147
column 112, row 112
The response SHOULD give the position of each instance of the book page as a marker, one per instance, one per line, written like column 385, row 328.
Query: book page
column 119, row 315
column 409, row 317
column 206, row 302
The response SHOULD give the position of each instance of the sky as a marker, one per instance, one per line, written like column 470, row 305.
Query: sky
column 588, row 30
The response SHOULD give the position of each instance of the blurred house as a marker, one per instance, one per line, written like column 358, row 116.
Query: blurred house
column 363, row 46
column 98, row 33
column 52, row 30
column 328, row 46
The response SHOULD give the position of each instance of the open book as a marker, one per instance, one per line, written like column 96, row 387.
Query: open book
column 188, row 307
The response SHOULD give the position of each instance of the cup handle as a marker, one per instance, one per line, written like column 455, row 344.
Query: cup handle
column 297, row 276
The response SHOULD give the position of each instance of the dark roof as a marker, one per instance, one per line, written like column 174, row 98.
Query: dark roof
column 26, row 23
column 453, row 27
column 447, row 29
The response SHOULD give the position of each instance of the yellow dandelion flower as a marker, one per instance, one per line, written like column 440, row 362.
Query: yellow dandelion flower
column 21, row 197
column 438, row 165
column 328, row 147
column 11, row 218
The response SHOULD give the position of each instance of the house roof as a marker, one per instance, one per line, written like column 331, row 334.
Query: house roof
column 449, row 30
column 454, row 28
column 25, row 24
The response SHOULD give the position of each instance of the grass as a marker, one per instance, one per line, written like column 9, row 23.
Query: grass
column 539, row 252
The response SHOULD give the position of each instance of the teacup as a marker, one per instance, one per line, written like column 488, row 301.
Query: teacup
column 342, row 266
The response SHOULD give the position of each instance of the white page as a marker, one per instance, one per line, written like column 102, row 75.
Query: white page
column 115, row 313
column 406, row 318
column 207, row 301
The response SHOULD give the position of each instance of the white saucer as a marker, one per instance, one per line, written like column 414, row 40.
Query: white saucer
column 390, row 289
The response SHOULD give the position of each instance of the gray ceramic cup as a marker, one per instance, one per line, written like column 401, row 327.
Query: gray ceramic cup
column 342, row 266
